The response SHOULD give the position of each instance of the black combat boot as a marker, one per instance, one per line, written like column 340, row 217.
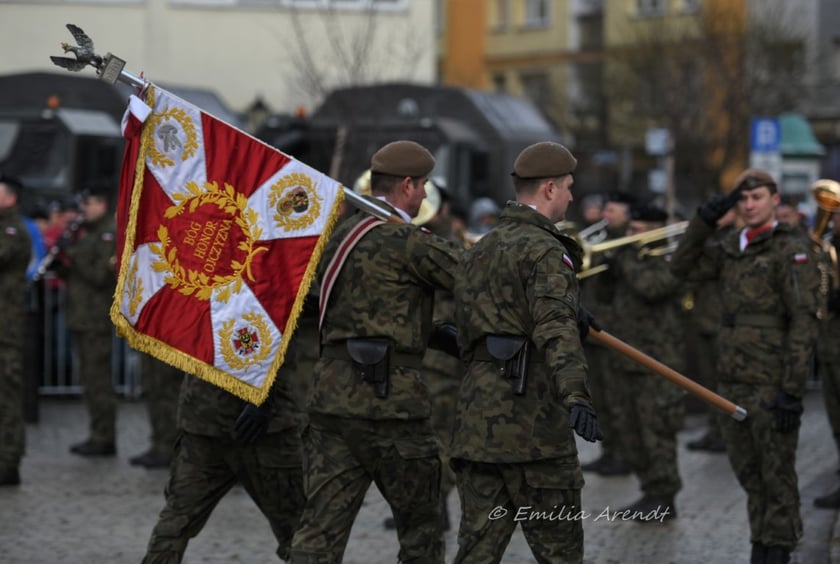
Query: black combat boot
column 777, row 555
column 151, row 459
column 758, row 554
column 9, row 477
column 93, row 448
column 830, row 501
column 651, row 509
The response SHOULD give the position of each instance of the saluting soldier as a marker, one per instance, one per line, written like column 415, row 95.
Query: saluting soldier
column 769, row 287
column 369, row 408
column 516, row 309
column 15, row 250
column 650, row 409
column 88, row 267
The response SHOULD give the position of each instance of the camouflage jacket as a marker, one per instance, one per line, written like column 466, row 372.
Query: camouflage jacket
column 15, row 250
column 706, row 310
column 769, row 301
column 385, row 290
column 205, row 409
column 646, row 303
column 519, row 280
column 91, row 276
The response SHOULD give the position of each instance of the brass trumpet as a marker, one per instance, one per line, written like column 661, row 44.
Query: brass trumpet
column 640, row 240
column 827, row 194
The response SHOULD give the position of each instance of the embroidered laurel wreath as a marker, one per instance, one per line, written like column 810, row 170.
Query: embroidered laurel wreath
column 259, row 342
column 290, row 204
column 195, row 283
column 167, row 134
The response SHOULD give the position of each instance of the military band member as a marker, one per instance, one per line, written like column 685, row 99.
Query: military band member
column 15, row 250
column 369, row 409
column 650, row 409
column 516, row 308
column 769, row 287
column 88, row 267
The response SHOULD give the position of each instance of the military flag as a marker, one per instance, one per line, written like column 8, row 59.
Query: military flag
column 220, row 235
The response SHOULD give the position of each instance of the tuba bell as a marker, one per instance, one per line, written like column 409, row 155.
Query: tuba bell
column 827, row 195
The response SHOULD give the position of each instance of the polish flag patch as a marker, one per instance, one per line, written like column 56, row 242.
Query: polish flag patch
column 568, row 260
column 799, row 258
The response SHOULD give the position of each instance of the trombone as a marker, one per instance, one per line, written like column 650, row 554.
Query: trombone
column 640, row 240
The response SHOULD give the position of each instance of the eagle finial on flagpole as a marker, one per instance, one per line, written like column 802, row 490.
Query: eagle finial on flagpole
column 110, row 68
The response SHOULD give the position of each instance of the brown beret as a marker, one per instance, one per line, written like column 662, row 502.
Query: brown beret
column 754, row 178
column 544, row 160
column 402, row 158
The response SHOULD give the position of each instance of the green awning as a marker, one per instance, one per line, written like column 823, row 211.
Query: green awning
column 797, row 137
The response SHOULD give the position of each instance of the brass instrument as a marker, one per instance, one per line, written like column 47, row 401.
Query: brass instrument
column 595, row 233
column 639, row 239
column 827, row 194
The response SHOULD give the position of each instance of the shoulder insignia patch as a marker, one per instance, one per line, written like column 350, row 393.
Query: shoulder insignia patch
column 568, row 260
column 800, row 258
column 424, row 230
column 11, row 230
column 107, row 236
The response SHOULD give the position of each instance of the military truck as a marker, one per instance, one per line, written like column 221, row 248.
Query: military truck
column 474, row 135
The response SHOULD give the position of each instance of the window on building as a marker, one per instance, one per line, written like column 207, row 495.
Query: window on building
column 691, row 5
column 537, row 88
column 650, row 7
column 500, row 82
column 537, row 13
column 502, row 14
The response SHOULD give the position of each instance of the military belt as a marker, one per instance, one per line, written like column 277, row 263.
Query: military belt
column 761, row 320
column 338, row 351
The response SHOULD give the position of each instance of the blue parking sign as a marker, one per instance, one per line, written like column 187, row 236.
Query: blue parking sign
column 765, row 135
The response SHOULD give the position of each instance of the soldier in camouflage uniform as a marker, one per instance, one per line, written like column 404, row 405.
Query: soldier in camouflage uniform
column 597, row 293
column 369, row 409
column 222, row 441
column 88, row 267
column 15, row 250
column 769, row 288
column 828, row 355
column 516, row 308
column 650, row 408
column 161, row 382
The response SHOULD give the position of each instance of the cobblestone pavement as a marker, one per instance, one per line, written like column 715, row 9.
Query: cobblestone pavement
column 88, row 511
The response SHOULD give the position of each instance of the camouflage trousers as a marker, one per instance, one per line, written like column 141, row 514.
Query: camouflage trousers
column 707, row 356
column 204, row 469
column 598, row 377
column 764, row 461
column 12, row 428
column 543, row 497
column 443, row 393
column 652, row 411
column 93, row 349
column 830, row 375
column 161, row 385
column 341, row 457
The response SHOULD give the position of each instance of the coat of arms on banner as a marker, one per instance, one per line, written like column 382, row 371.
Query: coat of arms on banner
column 221, row 235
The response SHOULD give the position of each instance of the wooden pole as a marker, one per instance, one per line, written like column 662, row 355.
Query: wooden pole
column 734, row 411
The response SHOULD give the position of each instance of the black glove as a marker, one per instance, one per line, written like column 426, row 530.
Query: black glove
column 252, row 423
column 585, row 321
column 787, row 411
column 834, row 301
column 583, row 420
column 717, row 205
column 444, row 338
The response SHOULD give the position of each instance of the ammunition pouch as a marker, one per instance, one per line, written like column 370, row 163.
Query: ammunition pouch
column 510, row 353
column 370, row 359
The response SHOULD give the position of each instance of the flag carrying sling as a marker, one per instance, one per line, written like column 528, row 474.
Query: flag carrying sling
column 219, row 239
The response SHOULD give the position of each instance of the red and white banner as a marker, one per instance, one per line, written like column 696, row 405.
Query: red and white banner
column 220, row 235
